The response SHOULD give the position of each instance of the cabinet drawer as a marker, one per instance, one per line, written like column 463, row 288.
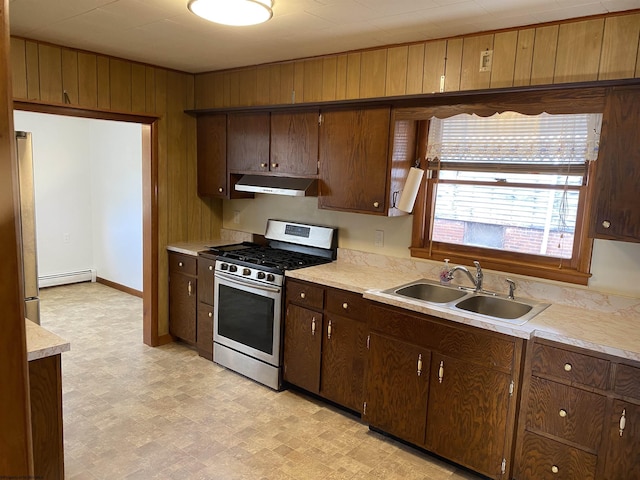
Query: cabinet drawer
column 566, row 412
column 306, row 295
column 545, row 459
column 347, row 304
column 628, row 381
column 570, row 366
column 186, row 264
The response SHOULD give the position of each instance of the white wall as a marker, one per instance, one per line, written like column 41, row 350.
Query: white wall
column 88, row 190
column 615, row 265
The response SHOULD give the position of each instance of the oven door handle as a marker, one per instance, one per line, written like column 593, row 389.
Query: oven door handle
column 230, row 278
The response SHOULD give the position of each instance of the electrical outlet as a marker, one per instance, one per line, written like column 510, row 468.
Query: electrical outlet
column 378, row 240
column 66, row 238
column 236, row 217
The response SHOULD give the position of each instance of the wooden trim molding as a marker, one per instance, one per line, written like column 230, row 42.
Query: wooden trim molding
column 119, row 287
column 164, row 339
column 16, row 458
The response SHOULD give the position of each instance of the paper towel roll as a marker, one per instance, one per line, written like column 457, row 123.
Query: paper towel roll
column 410, row 191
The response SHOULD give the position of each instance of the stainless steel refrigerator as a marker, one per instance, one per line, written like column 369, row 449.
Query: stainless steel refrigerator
column 28, row 226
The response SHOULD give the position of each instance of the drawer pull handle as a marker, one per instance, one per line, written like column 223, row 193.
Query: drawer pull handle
column 345, row 305
column 210, row 314
column 623, row 421
column 313, row 326
column 189, row 288
column 180, row 264
column 554, row 469
column 302, row 295
column 220, row 189
column 441, row 371
column 329, row 331
column 211, row 268
column 562, row 413
column 606, row 224
column 567, row 367
column 419, row 364
column 376, row 204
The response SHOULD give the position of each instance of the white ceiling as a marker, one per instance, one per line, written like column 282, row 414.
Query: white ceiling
column 165, row 33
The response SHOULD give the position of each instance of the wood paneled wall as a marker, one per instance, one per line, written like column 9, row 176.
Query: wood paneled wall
column 599, row 48
column 56, row 75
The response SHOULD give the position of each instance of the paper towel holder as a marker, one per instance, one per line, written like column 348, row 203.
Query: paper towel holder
column 411, row 188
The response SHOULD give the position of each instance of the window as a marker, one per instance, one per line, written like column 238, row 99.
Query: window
column 510, row 190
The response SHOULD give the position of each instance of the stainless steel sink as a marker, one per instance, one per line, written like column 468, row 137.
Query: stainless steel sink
column 469, row 303
column 494, row 307
column 430, row 292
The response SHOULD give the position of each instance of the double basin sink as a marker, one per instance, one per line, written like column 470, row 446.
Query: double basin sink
column 464, row 301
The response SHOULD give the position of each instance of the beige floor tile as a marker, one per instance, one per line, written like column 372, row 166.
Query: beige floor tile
column 138, row 413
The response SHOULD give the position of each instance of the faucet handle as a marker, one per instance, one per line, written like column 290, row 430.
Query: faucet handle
column 512, row 287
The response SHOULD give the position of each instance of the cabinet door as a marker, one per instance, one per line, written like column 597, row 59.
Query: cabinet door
column 623, row 451
column 212, row 156
column 182, row 306
column 467, row 417
column 342, row 373
column 353, row 151
column 204, row 331
column 302, row 347
column 396, row 388
column 294, row 143
column 617, row 210
column 248, row 142
column 206, row 270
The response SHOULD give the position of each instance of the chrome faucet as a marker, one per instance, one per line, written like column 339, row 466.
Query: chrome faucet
column 477, row 280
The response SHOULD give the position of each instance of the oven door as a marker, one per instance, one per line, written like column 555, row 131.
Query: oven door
column 247, row 317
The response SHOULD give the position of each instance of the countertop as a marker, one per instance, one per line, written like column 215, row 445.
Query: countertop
column 192, row 248
column 612, row 330
column 42, row 343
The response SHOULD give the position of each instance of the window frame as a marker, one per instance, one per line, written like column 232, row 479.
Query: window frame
column 576, row 270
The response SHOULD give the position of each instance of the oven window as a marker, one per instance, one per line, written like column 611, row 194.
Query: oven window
column 246, row 318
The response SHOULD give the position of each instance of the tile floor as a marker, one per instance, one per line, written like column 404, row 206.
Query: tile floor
column 135, row 412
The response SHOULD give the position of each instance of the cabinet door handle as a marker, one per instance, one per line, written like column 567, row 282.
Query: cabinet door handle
column 419, row 364
column 606, row 224
column 441, row 371
column 345, row 305
column 562, row 413
column 623, row 421
column 264, row 165
column 211, row 268
column 274, row 165
column 220, row 189
column 329, row 331
column 302, row 295
column 567, row 367
column 376, row 204
column 180, row 264
column 554, row 469
column 313, row 326
column 210, row 314
column 189, row 288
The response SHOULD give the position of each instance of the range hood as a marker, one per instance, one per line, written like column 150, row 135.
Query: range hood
column 290, row 186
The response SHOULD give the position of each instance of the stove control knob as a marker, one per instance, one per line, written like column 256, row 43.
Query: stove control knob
column 224, row 266
column 246, row 271
column 270, row 277
column 233, row 268
column 261, row 275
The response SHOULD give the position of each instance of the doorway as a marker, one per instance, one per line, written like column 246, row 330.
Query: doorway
column 149, row 176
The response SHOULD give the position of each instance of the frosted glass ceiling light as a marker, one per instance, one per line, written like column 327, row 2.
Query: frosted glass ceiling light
column 233, row 12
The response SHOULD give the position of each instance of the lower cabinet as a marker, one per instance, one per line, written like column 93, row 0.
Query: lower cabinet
column 182, row 296
column 324, row 351
column 397, row 387
column 580, row 416
column 448, row 388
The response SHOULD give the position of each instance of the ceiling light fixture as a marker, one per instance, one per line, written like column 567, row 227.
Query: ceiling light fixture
column 233, row 12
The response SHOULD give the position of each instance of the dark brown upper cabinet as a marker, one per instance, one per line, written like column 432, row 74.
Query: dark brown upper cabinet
column 616, row 211
column 294, row 143
column 248, row 142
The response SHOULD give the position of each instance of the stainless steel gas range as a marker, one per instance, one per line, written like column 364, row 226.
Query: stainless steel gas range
column 249, row 292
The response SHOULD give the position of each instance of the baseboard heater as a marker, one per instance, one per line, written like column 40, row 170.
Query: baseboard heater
column 67, row 278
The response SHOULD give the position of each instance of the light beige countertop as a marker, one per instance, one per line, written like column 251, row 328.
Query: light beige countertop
column 610, row 327
column 42, row 343
column 227, row 237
